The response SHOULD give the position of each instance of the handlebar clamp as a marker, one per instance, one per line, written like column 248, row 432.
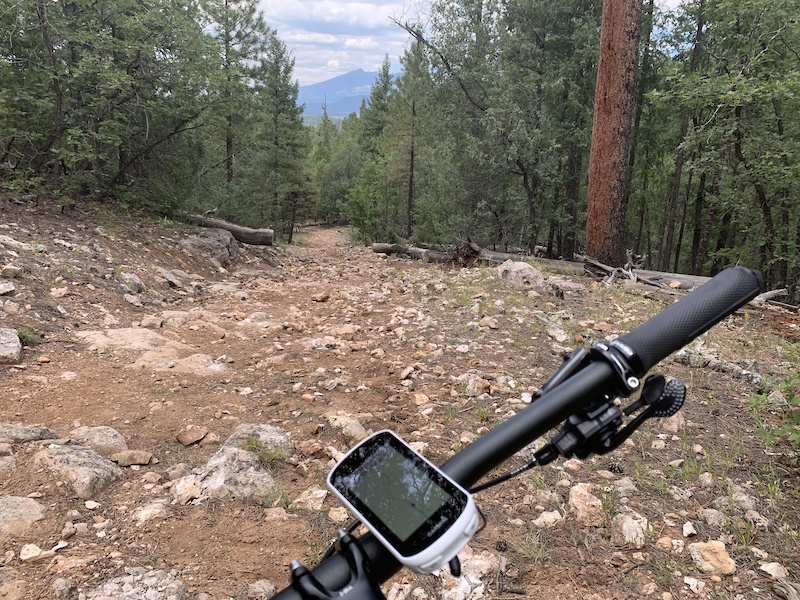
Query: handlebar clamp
column 619, row 356
column 359, row 584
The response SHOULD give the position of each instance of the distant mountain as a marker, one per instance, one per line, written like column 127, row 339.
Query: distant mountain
column 342, row 95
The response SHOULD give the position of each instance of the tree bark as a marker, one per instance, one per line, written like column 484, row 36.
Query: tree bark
column 611, row 128
column 53, row 142
column 641, row 88
column 411, row 157
column 680, row 154
column 699, row 208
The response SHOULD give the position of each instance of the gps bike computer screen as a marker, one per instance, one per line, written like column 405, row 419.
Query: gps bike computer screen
column 401, row 497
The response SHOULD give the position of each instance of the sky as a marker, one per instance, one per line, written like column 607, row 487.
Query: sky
column 330, row 38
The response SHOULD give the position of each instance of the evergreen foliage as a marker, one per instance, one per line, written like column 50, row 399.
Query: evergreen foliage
column 183, row 105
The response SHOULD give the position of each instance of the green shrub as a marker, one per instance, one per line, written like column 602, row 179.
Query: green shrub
column 788, row 412
column 28, row 336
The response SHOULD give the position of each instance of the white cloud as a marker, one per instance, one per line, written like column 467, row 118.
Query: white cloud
column 366, row 43
column 330, row 38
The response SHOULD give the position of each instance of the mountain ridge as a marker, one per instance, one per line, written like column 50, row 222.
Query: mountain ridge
column 341, row 95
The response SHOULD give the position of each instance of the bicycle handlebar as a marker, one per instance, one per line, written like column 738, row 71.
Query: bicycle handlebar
column 649, row 343
column 677, row 325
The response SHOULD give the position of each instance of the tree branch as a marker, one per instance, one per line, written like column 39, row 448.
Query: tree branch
column 420, row 37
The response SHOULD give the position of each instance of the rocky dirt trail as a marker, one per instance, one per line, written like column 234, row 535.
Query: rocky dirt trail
column 166, row 430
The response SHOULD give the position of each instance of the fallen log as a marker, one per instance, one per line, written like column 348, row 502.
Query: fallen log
column 421, row 254
column 381, row 248
column 246, row 235
column 674, row 281
column 468, row 253
column 437, row 256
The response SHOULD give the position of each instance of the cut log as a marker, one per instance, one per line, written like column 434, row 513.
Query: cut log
column 422, row 254
column 380, row 248
column 419, row 254
column 437, row 256
column 246, row 235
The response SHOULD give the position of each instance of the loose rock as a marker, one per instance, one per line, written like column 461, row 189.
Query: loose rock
column 10, row 347
column 18, row 514
column 19, row 434
column 712, row 558
column 586, row 506
column 83, row 468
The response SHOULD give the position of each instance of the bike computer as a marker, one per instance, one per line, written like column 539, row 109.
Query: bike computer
column 421, row 515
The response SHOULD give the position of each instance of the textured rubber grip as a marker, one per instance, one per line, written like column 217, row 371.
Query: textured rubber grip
column 679, row 324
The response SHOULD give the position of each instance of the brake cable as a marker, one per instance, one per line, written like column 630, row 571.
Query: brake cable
column 595, row 427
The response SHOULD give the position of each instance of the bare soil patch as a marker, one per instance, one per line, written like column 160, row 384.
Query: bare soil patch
column 335, row 327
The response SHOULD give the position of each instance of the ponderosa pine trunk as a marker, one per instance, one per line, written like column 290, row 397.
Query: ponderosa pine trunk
column 611, row 128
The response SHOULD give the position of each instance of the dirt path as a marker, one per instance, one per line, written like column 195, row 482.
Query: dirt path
column 325, row 333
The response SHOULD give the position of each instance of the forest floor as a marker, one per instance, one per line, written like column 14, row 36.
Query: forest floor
column 439, row 354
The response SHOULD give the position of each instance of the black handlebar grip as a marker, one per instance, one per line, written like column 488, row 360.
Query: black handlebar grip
column 679, row 324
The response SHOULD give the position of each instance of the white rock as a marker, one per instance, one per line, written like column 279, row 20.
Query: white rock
column 523, row 275
column 629, row 529
column 17, row 514
column 625, row 487
column 338, row 514
column 186, row 489
column 10, row 347
column 548, row 519
column 586, row 506
column 311, row 499
column 706, row 480
column 695, row 585
column 712, row 558
column 150, row 512
column 774, row 570
column 105, row 440
column 261, row 590
column 489, row 322
column 30, row 552
column 713, row 517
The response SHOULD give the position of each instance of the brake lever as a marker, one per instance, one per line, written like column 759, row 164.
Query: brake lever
column 595, row 429
column 659, row 397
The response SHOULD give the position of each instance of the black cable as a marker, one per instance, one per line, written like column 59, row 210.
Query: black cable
column 492, row 482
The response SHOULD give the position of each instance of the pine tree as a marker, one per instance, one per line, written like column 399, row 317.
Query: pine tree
column 609, row 161
column 283, row 142
column 241, row 34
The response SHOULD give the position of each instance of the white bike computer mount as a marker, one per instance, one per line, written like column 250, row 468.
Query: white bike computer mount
column 421, row 515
